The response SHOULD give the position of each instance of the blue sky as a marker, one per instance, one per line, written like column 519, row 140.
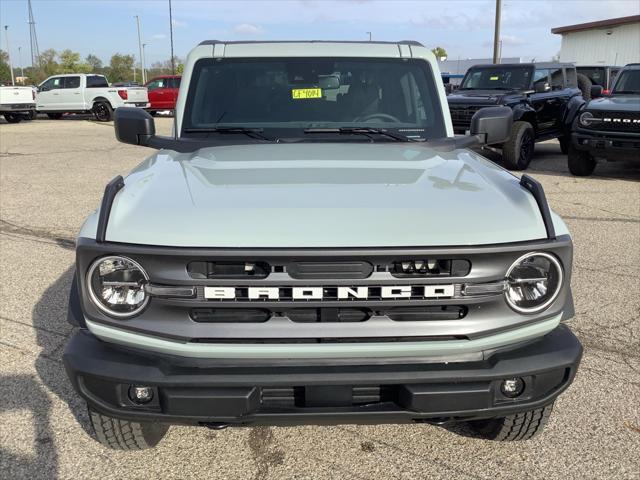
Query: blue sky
column 463, row 27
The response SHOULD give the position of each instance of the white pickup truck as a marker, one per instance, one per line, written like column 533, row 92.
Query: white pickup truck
column 17, row 103
column 86, row 93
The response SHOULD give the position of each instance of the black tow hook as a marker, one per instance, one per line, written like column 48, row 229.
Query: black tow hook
column 216, row 426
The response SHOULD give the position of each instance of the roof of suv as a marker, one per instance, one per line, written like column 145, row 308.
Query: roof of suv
column 537, row 65
column 401, row 42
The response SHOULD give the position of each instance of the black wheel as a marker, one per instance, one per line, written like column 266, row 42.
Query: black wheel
column 54, row 116
column 564, row 144
column 125, row 435
column 519, row 426
column 581, row 163
column 517, row 152
column 12, row 117
column 152, row 112
column 102, row 111
column 584, row 84
column 32, row 115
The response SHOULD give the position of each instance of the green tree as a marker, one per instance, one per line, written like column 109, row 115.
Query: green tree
column 439, row 52
column 120, row 68
column 48, row 64
column 180, row 69
column 5, row 71
column 94, row 62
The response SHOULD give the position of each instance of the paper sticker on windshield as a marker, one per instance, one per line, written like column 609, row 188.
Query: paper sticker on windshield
column 303, row 93
column 494, row 78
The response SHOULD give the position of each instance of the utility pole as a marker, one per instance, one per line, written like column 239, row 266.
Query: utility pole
column 20, row 62
column 496, row 33
column 142, row 74
column 33, row 39
column 144, row 70
column 6, row 35
column 369, row 33
column 173, row 63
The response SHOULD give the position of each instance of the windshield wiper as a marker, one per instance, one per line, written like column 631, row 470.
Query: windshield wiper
column 250, row 132
column 367, row 131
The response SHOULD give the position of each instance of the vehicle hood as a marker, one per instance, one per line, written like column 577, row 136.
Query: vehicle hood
column 322, row 195
column 482, row 97
column 615, row 103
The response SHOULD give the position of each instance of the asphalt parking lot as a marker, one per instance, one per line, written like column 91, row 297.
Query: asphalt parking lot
column 52, row 174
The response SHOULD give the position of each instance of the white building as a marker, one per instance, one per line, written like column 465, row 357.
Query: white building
column 606, row 42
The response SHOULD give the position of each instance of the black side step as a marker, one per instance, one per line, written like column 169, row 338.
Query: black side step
column 535, row 187
column 110, row 191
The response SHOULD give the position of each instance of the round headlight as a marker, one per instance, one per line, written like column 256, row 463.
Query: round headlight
column 116, row 286
column 533, row 282
column 587, row 119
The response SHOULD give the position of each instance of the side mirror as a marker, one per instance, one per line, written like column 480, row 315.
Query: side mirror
column 596, row 91
column 134, row 126
column 492, row 125
column 541, row 87
column 42, row 89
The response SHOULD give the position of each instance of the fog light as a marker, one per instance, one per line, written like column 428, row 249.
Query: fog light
column 512, row 387
column 140, row 395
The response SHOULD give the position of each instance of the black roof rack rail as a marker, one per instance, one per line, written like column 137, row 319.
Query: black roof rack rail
column 110, row 191
column 232, row 42
column 535, row 187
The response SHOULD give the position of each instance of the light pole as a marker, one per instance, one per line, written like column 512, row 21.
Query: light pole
column 496, row 32
column 144, row 72
column 20, row 62
column 173, row 63
column 6, row 35
column 369, row 33
column 144, row 78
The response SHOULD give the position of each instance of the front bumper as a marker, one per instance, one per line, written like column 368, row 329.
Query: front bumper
column 610, row 145
column 322, row 391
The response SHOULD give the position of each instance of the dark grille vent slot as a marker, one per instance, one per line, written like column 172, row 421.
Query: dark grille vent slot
column 461, row 115
column 329, row 270
column 274, row 398
column 266, row 341
column 418, row 314
column 202, row 270
column 429, row 268
column 312, row 315
column 229, row 315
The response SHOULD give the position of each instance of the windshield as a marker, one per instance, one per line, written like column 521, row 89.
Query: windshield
column 628, row 81
column 298, row 94
column 497, row 78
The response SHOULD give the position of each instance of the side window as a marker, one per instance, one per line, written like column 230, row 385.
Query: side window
column 557, row 79
column 71, row 82
column 155, row 84
column 541, row 75
column 96, row 81
column 474, row 79
column 174, row 83
column 572, row 77
column 52, row 84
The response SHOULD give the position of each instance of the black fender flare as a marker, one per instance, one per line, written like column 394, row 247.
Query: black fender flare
column 575, row 105
column 525, row 112
column 74, row 311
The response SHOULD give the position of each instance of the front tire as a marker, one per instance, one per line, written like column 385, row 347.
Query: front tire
column 12, row 117
column 581, row 163
column 125, row 435
column 565, row 142
column 102, row 111
column 517, row 152
column 519, row 426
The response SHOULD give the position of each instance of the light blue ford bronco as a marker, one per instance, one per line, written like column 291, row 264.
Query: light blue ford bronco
column 312, row 245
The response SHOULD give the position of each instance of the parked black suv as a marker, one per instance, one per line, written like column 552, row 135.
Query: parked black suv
column 544, row 97
column 608, row 127
column 603, row 75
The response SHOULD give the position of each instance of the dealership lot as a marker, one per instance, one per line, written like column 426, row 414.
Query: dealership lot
column 53, row 174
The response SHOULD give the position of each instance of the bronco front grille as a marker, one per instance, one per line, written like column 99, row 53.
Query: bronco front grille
column 461, row 114
column 616, row 121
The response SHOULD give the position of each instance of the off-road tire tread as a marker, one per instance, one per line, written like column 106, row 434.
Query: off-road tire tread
column 581, row 163
column 519, row 426
column 511, row 148
column 123, row 434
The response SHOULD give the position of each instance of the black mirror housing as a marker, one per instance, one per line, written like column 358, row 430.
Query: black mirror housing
column 492, row 125
column 134, row 126
column 596, row 91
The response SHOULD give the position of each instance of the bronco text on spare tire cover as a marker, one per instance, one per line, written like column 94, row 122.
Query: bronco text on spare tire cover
column 314, row 246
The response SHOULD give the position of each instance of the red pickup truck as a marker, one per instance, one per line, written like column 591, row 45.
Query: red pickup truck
column 163, row 92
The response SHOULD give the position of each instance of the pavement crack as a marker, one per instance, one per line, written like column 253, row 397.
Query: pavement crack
column 34, row 233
